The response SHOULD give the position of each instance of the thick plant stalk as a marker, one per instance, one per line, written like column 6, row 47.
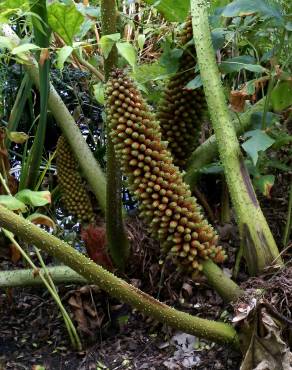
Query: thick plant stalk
column 224, row 286
column 65, row 275
column 207, row 151
column 215, row 331
column 259, row 246
column 42, row 39
column 29, row 277
column 88, row 164
column 118, row 243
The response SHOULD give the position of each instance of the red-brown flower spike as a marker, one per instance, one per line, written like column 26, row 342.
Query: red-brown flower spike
column 181, row 111
column 75, row 197
column 173, row 215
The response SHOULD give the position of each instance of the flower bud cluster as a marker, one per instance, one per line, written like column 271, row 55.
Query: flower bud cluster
column 75, row 197
column 166, row 204
column 182, row 110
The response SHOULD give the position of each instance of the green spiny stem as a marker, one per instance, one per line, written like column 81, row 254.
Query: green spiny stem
column 116, row 236
column 207, row 151
column 88, row 164
column 215, row 331
column 223, row 285
column 260, row 248
column 29, row 277
column 42, row 39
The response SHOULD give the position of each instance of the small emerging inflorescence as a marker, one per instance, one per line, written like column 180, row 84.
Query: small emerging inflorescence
column 75, row 196
column 181, row 111
column 166, row 204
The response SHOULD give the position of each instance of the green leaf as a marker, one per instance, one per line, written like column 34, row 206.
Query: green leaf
column 239, row 8
column 12, row 203
column 170, row 58
column 149, row 72
column 127, row 51
column 17, row 137
column 10, row 7
column 34, row 198
column 141, row 41
column 65, row 20
column 264, row 184
column 256, row 119
column 107, row 42
column 173, row 10
column 281, row 96
column 24, row 48
column 251, row 87
column 258, row 141
column 98, row 90
column 62, row 55
column 218, row 38
column 238, row 63
column 194, row 84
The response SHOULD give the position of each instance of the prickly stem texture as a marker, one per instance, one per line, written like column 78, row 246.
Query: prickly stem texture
column 181, row 110
column 173, row 215
column 260, row 249
column 75, row 196
column 215, row 331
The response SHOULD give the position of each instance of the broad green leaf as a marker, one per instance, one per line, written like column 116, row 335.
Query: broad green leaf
column 258, row 141
column 91, row 11
column 85, row 28
column 194, row 84
column 127, row 51
column 170, row 58
column 40, row 219
column 218, row 38
column 12, row 203
column 17, row 137
column 65, row 20
column 251, row 87
column 12, row 7
column 281, row 96
column 107, row 42
column 62, row 55
column 24, row 48
column 256, row 119
column 173, row 10
column 238, row 63
column 141, row 41
column 34, row 198
column 99, row 92
column 264, row 8
column 149, row 72
column 264, row 184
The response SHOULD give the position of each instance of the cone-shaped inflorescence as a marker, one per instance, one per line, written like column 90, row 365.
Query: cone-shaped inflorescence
column 182, row 110
column 76, row 198
column 173, row 215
